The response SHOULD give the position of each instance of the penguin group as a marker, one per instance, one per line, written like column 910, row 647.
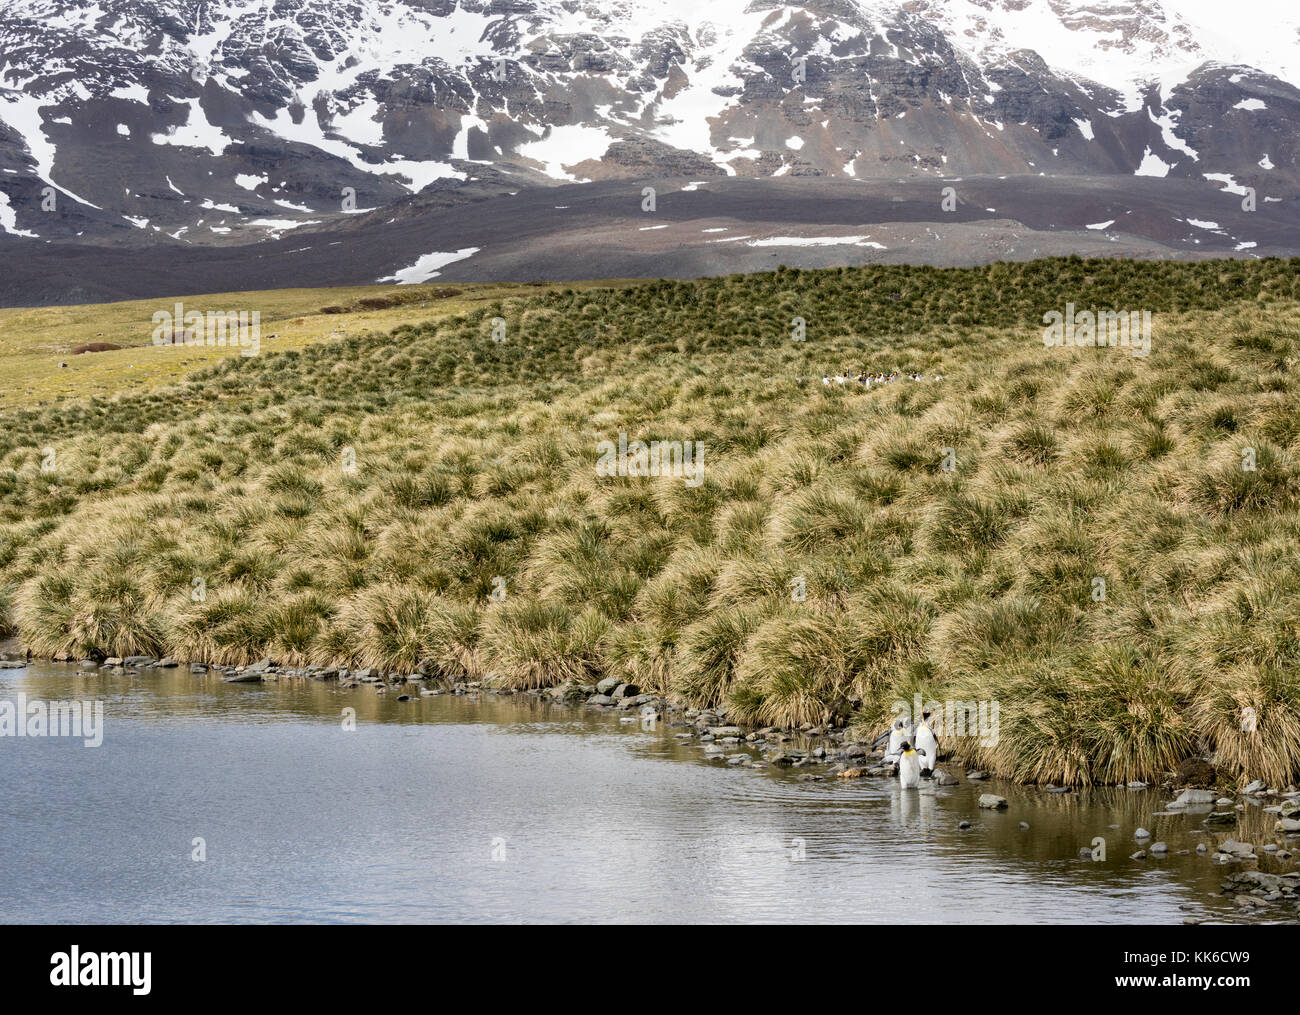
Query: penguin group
column 913, row 750
column 866, row 379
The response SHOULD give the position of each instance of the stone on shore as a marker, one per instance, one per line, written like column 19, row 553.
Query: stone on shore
column 608, row 685
column 1195, row 798
column 991, row 801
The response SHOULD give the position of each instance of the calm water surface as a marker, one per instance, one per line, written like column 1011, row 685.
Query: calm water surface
column 504, row 809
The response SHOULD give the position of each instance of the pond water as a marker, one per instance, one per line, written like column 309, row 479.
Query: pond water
column 507, row 809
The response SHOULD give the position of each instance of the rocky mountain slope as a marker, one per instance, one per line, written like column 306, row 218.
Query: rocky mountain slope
column 189, row 123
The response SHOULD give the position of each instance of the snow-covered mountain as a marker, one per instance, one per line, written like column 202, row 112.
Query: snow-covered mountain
column 220, row 121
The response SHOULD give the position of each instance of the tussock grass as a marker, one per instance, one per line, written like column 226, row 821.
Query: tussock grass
column 825, row 565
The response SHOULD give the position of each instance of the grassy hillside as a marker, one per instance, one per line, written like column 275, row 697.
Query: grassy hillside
column 35, row 340
column 476, row 469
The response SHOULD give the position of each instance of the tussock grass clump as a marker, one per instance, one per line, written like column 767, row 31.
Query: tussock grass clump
column 100, row 615
column 8, row 624
column 795, row 668
column 708, row 653
column 535, row 643
column 1067, row 532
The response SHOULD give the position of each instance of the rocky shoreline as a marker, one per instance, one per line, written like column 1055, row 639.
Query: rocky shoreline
column 827, row 752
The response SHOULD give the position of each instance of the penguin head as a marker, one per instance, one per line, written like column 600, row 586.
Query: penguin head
column 907, row 747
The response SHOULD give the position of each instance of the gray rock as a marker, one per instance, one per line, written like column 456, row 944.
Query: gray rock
column 727, row 731
column 1255, row 787
column 608, row 685
column 976, row 775
column 942, row 778
column 1201, row 848
column 1195, row 797
column 626, row 691
column 1024, row 826
column 1141, row 833
column 1141, row 854
column 197, row 668
column 991, row 801
column 1221, row 818
column 1287, row 825
column 1234, row 848
column 1159, row 847
column 963, row 825
column 600, row 699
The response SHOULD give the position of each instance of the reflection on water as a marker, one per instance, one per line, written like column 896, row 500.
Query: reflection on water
column 507, row 809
